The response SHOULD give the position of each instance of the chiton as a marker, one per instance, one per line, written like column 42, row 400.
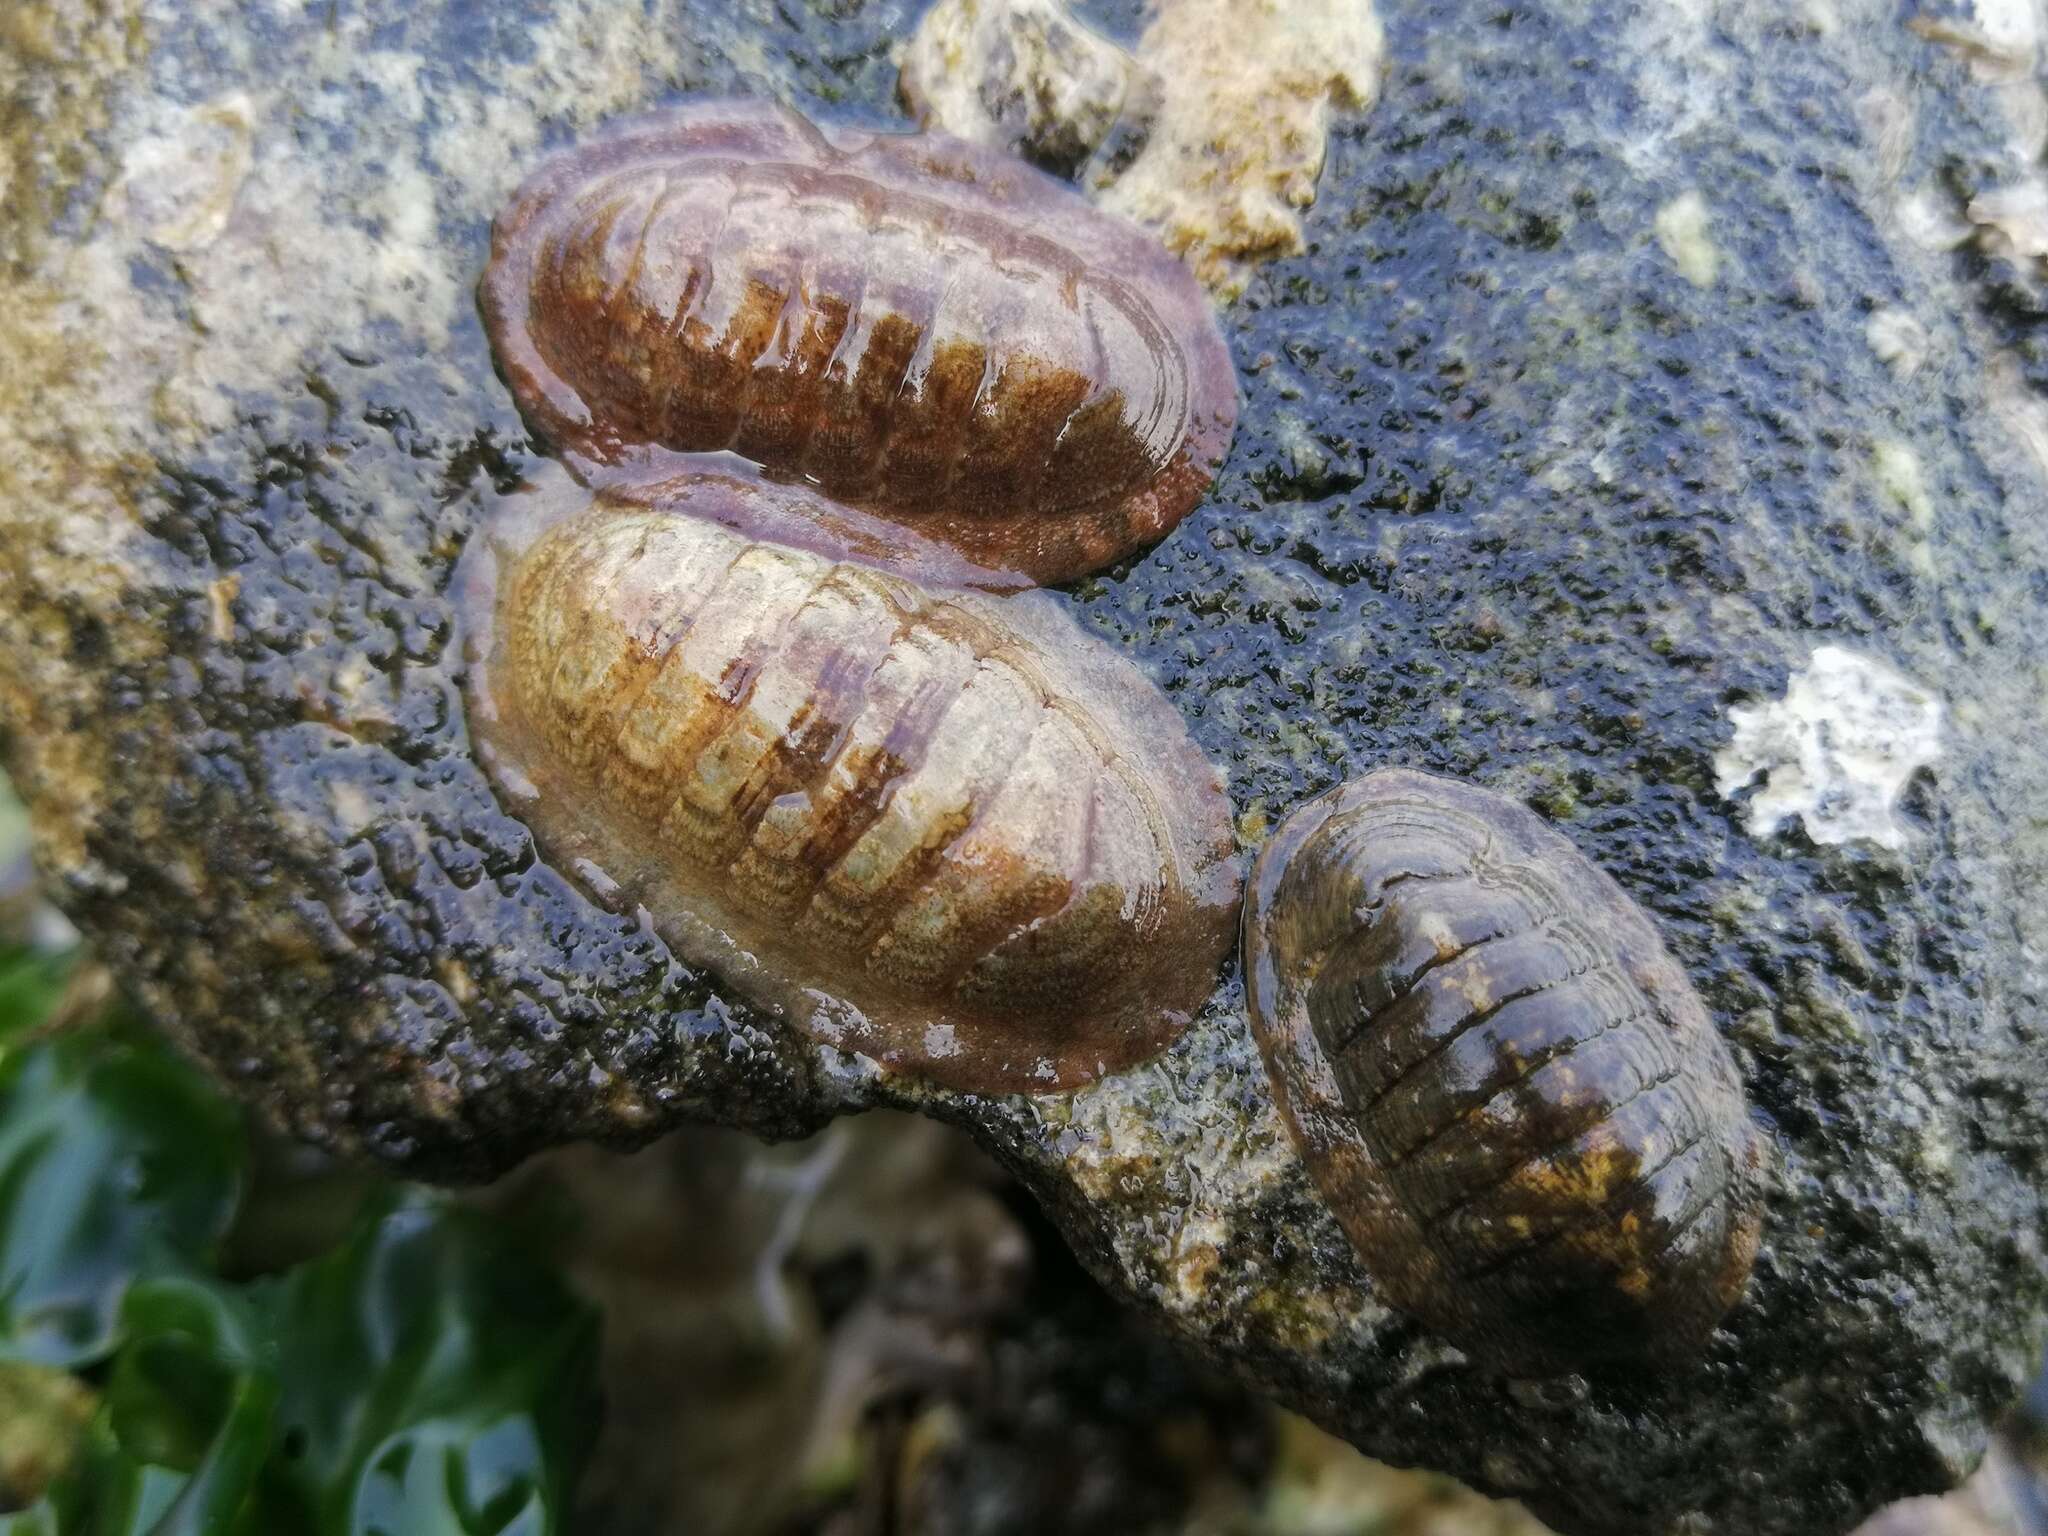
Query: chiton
column 1507, row 1090
column 925, row 329
column 952, row 833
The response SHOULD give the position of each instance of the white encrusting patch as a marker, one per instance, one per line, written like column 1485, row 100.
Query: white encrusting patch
column 1238, row 145
column 1835, row 751
column 1236, row 97
column 180, row 183
column 2013, row 220
column 1898, row 471
column 1928, row 221
column 1998, row 40
column 1682, row 230
column 1028, row 72
column 1899, row 340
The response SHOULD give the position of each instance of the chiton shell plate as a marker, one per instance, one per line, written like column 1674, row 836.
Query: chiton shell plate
column 921, row 327
column 1507, row 1090
column 951, row 833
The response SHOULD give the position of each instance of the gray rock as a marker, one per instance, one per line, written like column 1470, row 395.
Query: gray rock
column 1635, row 354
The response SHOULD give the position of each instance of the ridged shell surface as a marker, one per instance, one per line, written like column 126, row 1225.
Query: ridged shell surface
column 952, row 833
column 922, row 328
column 1507, row 1090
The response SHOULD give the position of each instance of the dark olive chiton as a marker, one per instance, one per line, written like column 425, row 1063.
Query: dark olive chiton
column 950, row 832
column 925, row 329
column 1507, row 1090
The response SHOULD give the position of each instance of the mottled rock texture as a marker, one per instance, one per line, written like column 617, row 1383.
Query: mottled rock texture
column 1634, row 353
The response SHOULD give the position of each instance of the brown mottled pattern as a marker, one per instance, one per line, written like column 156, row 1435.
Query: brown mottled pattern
column 1464, row 1014
column 922, row 328
column 919, row 809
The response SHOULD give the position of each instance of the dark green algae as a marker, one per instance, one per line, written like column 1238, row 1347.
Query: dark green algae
column 1510, row 499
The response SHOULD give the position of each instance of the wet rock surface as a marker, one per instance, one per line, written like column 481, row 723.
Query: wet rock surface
column 1632, row 356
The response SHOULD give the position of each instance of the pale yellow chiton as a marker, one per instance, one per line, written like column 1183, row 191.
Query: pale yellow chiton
column 950, row 832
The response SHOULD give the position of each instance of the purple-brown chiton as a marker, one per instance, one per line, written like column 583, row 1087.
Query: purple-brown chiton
column 926, row 330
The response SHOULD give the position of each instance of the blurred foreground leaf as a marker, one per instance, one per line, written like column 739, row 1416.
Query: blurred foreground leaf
column 423, row 1377
column 435, row 1381
column 115, row 1157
